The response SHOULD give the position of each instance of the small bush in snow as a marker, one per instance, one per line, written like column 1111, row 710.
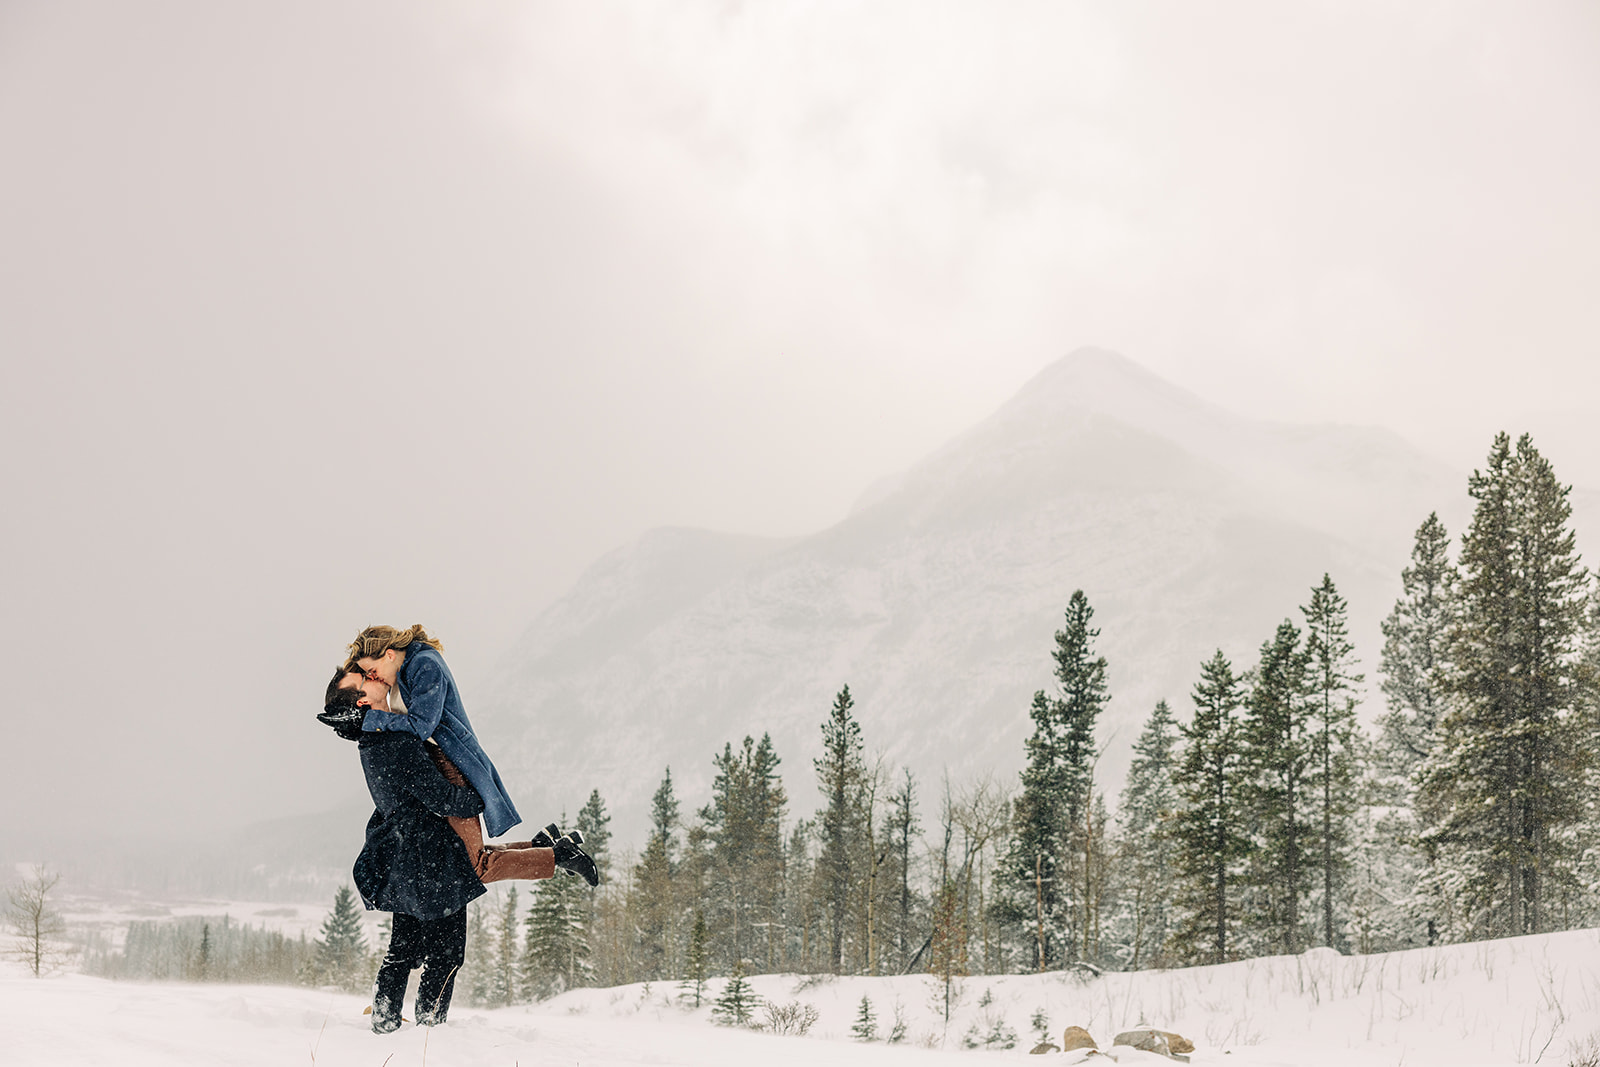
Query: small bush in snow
column 897, row 1032
column 997, row 1034
column 794, row 1018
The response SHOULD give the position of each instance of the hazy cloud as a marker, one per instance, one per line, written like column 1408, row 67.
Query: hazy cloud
column 318, row 314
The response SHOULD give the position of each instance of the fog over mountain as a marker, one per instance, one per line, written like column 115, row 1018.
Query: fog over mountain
column 936, row 600
column 324, row 314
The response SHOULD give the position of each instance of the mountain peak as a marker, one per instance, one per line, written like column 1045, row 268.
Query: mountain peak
column 1107, row 383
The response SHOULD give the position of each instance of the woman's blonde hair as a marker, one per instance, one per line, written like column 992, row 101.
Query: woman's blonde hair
column 374, row 641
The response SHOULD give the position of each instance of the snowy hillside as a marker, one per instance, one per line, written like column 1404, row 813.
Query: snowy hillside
column 1521, row 1000
column 937, row 598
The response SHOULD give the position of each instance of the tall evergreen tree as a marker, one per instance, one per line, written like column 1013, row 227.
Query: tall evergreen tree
column 1209, row 826
column 1414, row 649
column 1500, row 792
column 556, row 953
column 1413, row 667
column 202, row 959
column 594, row 822
column 840, row 772
column 1331, row 682
column 1278, row 750
column 1048, row 861
column 1083, row 694
column 341, row 952
column 1146, row 848
column 1035, row 862
column 655, row 897
column 744, row 825
column 696, row 969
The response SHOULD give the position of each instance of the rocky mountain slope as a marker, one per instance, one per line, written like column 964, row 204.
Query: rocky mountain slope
column 936, row 600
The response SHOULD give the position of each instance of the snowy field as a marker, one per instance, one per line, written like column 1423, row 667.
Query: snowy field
column 1522, row 1000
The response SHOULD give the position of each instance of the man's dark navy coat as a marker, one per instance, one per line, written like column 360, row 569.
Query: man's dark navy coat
column 413, row 863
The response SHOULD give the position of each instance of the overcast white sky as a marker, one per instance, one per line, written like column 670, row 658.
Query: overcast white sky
column 325, row 313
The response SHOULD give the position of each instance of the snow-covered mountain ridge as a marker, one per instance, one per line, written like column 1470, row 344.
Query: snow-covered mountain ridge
column 936, row 599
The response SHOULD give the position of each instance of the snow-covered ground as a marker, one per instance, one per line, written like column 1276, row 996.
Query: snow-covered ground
column 1522, row 1000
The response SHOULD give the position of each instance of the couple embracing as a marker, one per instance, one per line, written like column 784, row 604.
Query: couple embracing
column 425, row 856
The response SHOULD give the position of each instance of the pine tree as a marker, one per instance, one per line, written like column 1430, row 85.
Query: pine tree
column 1581, row 899
column 1414, row 649
column 1331, row 681
column 1278, row 750
column 1047, row 863
column 202, row 962
column 865, row 1027
column 744, row 826
column 692, row 988
column 1147, row 849
column 840, row 772
column 1413, row 668
column 655, row 893
column 1500, row 793
column 1039, row 841
column 594, row 822
column 556, row 954
column 1383, row 896
column 1209, row 826
column 738, row 1003
column 341, row 951
column 1083, row 694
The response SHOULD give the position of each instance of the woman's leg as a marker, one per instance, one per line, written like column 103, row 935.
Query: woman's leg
column 494, row 863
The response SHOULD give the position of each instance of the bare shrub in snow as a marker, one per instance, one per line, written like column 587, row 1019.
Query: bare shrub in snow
column 1584, row 1053
column 794, row 1018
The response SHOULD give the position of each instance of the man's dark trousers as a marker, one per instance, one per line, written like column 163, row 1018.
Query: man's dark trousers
column 438, row 946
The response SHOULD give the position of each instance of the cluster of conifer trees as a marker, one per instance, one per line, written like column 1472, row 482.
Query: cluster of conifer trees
column 200, row 948
column 1266, row 820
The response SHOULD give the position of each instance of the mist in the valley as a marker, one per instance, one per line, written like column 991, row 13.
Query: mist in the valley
column 315, row 315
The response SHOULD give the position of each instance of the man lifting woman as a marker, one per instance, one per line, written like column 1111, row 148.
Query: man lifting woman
column 425, row 857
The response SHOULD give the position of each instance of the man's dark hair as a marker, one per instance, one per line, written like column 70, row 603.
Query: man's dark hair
column 340, row 709
column 333, row 689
